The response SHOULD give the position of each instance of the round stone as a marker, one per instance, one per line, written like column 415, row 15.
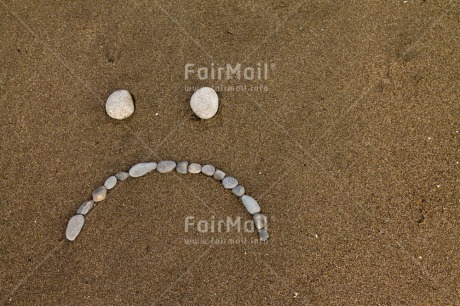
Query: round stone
column 194, row 168
column 85, row 207
column 208, row 170
column 260, row 221
column 110, row 182
column 238, row 190
column 119, row 105
column 166, row 166
column 204, row 102
column 229, row 182
column 74, row 227
column 99, row 194
column 142, row 169
column 250, row 204
column 121, row 176
column 182, row 167
column 219, row 175
column 263, row 235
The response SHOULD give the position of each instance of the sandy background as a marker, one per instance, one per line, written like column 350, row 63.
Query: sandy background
column 354, row 152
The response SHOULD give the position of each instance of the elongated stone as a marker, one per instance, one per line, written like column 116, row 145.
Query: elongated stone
column 99, row 194
column 219, row 175
column 110, row 182
column 166, row 166
column 263, row 235
column 142, row 169
column 260, row 221
column 85, row 207
column 74, row 227
column 121, row 176
column 182, row 167
column 229, row 182
column 208, row 170
column 194, row 168
column 250, row 204
column 238, row 190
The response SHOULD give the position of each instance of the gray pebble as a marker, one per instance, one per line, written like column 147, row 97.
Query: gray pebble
column 121, row 176
column 194, row 168
column 229, row 182
column 110, row 182
column 182, row 167
column 208, row 170
column 263, row 235
column 74, row 227
column 142, row 169
column 238, row 190
column 166, row 166
column 99, row 194
column 219, row 175
column 85, row 207
column 250, row 204
column 260, row 221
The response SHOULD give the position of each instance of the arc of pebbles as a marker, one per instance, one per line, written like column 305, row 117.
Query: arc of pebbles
column 228, row 182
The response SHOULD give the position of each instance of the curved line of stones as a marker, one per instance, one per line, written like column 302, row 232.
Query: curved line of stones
column 76, row 223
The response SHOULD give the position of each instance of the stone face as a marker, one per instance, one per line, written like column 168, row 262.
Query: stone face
column 74, row 227
column 119, row 105
column 85, row 207
column 238, row 190
column 121, row 176
column 182, row 167
column 229, row 182
column 166, row 166
column 263, row 235
column 260, row 221
column 204, row 102
column 99, row 194
column 219, row 175
column 250, row 204
column 142, row 169
column 208, row 170
column 194, row 168
column 110, row 182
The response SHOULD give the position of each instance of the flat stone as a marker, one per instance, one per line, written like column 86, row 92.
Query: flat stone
column 194, row 168
column 263, row 235
column 205, row 102
column 260, row 221
column 142, row 169
column 119, row 105
column 229, row 182
column 85, row 207
column 166, row 166
column 99, row 194
column 121, row 176
column 238, row 190
column 208, row 170
column 219, row 175
column 182, row 167
column 74, row 227
column 110, row 182
column 250, row 204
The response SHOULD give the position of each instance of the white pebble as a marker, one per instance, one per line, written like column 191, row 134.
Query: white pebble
column 250, row 204
column 85, row 207
column 208, row 170
column 182, row 167
column 194, row 168
column 229, row 182
column 121, row 176
column 74, row 227
column 142, row 169
column 99, row 194
column 263, row 235
column 260, row 221
column 205, row 102
column 119, row 105
column 219, row 175
column 166, row 166
column 110, row 182
column 238, row 190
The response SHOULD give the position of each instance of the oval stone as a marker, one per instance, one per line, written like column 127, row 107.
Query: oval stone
column 74, row 227
column 110, row 182
column 260, row 221
column 219, row 175
column 119, row 105
column 238, row 190
column 229, row 182
column 250, row 204
column 142, row 169
column 85, row 207
column 205, row 102
column 208, row 170
column 166, row 166
column 194, row 168
column 121, row 176
column 182, row 167
column 99, row 194
column 263, row 235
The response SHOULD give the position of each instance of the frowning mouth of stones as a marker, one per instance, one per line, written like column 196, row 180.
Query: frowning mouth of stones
column 76, row 223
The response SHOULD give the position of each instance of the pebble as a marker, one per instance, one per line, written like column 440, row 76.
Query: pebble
column 205, row 102
column 250, row 204
column 166, row 166
column 110, row 182
column 260, row 221
column 121, row 176
column 142, row 169
column 208, row 170
column 194, row 168
column 74, row 227
column 263, row 235
column 119, row 105
column 182, row 167
column 238, row 190
column 229, row 182
column 85, row 207
column 219, row 175
column 99, row 194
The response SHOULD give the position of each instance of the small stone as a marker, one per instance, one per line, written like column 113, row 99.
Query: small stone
column 238, row 190
column 194, row 168
column 85, row 207
column 110, row 182
column 182, row 167
column 229, row 182
column 74, row 227
column 119, row 105
column 166, row 166
column 219, row 175
column 260, row 221
column 250, row 204
column 99, row 194
column 208, row 170
column 121, row 176
column 142, row 169
column 263, row 235
column 205, row 102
